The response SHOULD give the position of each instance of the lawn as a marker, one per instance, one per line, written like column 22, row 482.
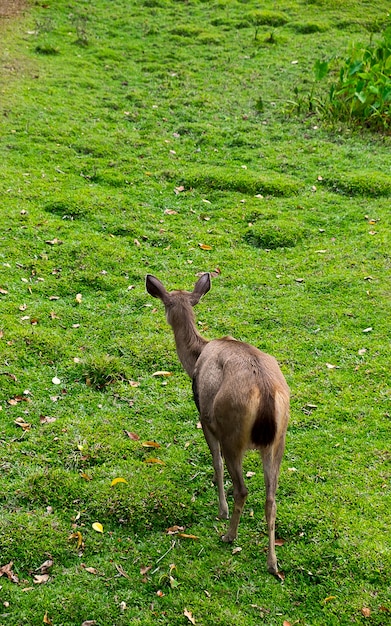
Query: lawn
column 165, row 137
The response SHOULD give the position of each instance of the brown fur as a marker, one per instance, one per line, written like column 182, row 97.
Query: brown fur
column 242, row 398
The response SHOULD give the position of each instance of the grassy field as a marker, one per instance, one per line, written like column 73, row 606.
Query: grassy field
column 158, row 136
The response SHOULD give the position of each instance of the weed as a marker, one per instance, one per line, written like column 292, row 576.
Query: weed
column 102, row 370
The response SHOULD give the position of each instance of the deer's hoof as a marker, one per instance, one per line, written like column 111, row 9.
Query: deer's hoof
column 228, row 538
column 224, row 514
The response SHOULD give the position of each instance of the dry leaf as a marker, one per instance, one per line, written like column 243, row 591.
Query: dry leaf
column 150, row 444
column 89, row 622
column 205, row 246
column 78, row 298
column 3, row 291
column 133, row 436
column 189, row 616
column 366, row 612
column 39, row 579
column 85, row 476
column 77, row 535
column 20, row 422
column 158, row 461
column 329, row 598
column 45, row 419
column 134, row 383
column 170, row 212
column 160, row 593
column 367, row 330
column 56, row 381
column 331, row 367
column 98, row 527
column 47, row 620
column 44, row 568
column 162, row 373
column 236, row 550
column 144, row 570
column 54, row 242
column 121, row 571
column 286, row 623
column 179, row 189
column 279, row 542
column 173, row 530
column 185, row 536
column 91, row 570
column 23, row 307
column 115, row 481
column 6, row 570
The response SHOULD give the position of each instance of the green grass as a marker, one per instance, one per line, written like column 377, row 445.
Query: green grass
column 131, row 133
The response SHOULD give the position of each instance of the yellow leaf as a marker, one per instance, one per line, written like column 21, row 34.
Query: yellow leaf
column 185, row 536
column 115, row 481
column 78, row 298
column 205, row 246
column 46, row 619
column 158, row 461
column 329, row 598
column 98, row 527
column 162, row 373
column 150, row 444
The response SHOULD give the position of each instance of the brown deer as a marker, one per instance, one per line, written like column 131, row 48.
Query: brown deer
column 242, row 398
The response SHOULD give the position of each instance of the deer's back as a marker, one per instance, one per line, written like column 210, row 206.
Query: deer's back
column 235, row 382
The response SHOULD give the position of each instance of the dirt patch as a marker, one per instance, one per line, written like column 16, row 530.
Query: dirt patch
column 11, row 8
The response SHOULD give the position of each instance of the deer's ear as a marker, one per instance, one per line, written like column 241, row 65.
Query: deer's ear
column 201, row 287
column 155, row 288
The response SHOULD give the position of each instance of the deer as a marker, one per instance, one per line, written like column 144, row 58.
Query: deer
column 243, row 402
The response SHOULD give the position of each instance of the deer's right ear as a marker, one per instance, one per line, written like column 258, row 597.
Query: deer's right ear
column 155, row 288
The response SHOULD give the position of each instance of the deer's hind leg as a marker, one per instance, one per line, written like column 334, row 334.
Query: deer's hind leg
column 271, row 457
column 218, row 466
column 233, row 458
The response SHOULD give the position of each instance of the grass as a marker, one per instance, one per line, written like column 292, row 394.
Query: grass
column 151, row 137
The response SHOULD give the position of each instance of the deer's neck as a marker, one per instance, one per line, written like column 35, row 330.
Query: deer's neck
column 189, row 343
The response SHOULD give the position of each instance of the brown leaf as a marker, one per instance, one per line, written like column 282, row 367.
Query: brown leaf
column 205, row 246
column 170, row 212
column 173, row 530
column 45, row 419
column 179, row 189
column 144, row 570
column 286, row 623
column 1, row 334
column 150, row 444
column 12, row 376
column 3, row 291
column 89, row 622
column 44, row 568
column 6, row 570
column 40, row 579
column 91, row 570
column 133, row 436
column 160, row 593
column 366, row 612
column 47, row 620
column 189, row 616
column 185, row 536
column 121, row 571
column 279, row 542
column 20, row 422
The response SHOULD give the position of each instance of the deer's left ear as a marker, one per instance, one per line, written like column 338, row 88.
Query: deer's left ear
column 201, row 287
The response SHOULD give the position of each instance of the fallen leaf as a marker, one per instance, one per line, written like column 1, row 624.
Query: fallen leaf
column 91, row 570
column 20, row 422
column 1, row 334
column 150, row 444
column 86, row 477
column 179, row 189
column 250, row 474
column 3, row 291
column 331, row 367
column 189, row 616
column 115, row 481
column 134, row 383
column 144, row 570
column 44, row 568
column 78, row 298
column 121, row 571
column 237, row 550
column 205, row 246
column 40, row 579
column 133, row 436
column 45, row 419
column 185, row 536
column 173, row 530
column 286, row 623
column 170, row 212
column 89, row 622
column 367, row 330
column 46, row 619
column 23, row 307
column 329, row 598
column 158, row 461
column 279, row 542
column 366, row 612
column 77, row 535
column 6, row 570
column 54, row 242
column 160, row 593
column 162, row 373
column 98, row 527
column 54, row 297
column 56, row 381
column 12, row 376
column 299, row 280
